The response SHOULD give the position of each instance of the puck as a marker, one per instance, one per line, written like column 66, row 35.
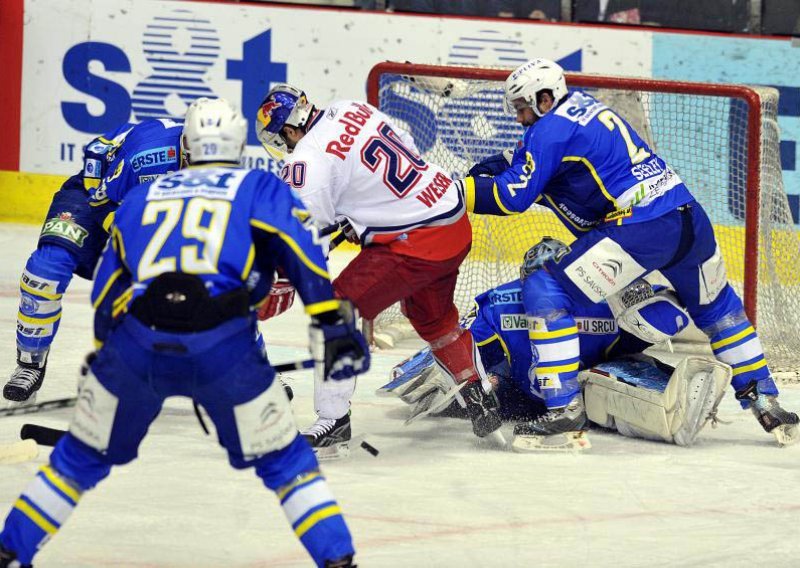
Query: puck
column 371, row 449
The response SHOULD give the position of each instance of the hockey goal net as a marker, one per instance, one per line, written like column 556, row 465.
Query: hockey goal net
column 723, row 141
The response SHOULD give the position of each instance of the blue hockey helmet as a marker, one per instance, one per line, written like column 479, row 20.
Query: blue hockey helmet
column 540, row 253
column 284, row 105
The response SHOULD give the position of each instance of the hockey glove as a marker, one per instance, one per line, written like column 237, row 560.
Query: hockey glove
column 350, row 233
column 493, row 165
column 337, row 347
column 279, row 300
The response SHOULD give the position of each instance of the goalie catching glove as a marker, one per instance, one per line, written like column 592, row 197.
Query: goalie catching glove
column 337, row 347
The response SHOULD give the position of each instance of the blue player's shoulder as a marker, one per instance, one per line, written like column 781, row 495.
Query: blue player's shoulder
column 505, row 295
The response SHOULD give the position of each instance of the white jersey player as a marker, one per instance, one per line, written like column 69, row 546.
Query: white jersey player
column 350, row 163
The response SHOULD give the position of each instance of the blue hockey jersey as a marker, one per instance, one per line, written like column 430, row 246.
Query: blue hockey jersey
column 229, row 226
column 150, row 149
column 584, row 162
column 500, row 330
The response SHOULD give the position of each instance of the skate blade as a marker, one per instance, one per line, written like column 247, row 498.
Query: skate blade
column 565, row 442
column 11, row 404
column 787, row 434
column 333, row 452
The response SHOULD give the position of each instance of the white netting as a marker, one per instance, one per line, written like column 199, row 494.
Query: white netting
column 457, row 122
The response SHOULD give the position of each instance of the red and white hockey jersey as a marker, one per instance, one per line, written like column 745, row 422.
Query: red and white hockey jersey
column 355, row 163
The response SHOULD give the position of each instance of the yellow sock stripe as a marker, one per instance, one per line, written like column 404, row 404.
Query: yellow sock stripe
column 733, row 338
column 283, row 491
column 751, row 367
column 542, row 370
column 536, row 334
column 46, row 295
column 312, row 520
column 56, row 480
column 34, row 515
column 39, row 321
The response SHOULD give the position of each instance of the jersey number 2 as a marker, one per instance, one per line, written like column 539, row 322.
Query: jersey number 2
column 401, row 168
column 612, row 121
column 210, row 235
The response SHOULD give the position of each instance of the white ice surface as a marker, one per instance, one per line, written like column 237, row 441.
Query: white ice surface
column 433, row 497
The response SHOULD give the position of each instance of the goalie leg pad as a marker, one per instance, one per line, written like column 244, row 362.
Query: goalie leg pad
column 637, row 400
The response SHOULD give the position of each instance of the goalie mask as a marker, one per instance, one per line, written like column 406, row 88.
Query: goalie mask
column 540, row 253
column 284, row 105
column 528, row 80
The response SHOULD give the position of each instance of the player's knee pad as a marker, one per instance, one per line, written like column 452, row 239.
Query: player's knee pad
column 42, row 284
column 641, row 400
column 80, row 464
column 725, row 311
column 652, row 315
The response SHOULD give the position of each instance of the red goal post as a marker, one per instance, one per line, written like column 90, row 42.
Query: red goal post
column 722, row 139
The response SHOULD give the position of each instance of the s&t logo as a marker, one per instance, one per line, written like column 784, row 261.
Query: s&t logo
column 180, row 48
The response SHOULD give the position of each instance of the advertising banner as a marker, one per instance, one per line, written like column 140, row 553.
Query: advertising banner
column 90, row 65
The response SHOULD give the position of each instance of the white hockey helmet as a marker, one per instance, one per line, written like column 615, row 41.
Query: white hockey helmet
column 213, row 131
column 284, row 105
column 531, row 78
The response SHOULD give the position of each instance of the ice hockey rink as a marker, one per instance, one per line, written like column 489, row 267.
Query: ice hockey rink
column 434, row 496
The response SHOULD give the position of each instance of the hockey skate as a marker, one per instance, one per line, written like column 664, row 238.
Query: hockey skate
column 559, row 429
column 482, row 409
column 779, row 422
column 26, row 379
column 9, row 560
column 330, row 438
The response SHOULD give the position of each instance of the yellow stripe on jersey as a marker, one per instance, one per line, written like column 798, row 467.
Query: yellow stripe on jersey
column 320, row 307
column 248, row 264
column 500, row 203
column 113, row 278
column 293, row 245
column 469, row 193
column 596, row 177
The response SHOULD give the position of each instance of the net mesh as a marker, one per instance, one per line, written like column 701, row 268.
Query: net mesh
column 458, row 122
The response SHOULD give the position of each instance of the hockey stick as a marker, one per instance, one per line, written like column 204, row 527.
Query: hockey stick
column 38, row 407
column 49, row 436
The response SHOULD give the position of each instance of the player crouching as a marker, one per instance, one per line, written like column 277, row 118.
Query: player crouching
column 638, row 396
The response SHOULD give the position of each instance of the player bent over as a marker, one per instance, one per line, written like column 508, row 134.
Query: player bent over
column 350, row 162
column 581, row 159
column 638, row 397
column 74, row 233
column 180, row 278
